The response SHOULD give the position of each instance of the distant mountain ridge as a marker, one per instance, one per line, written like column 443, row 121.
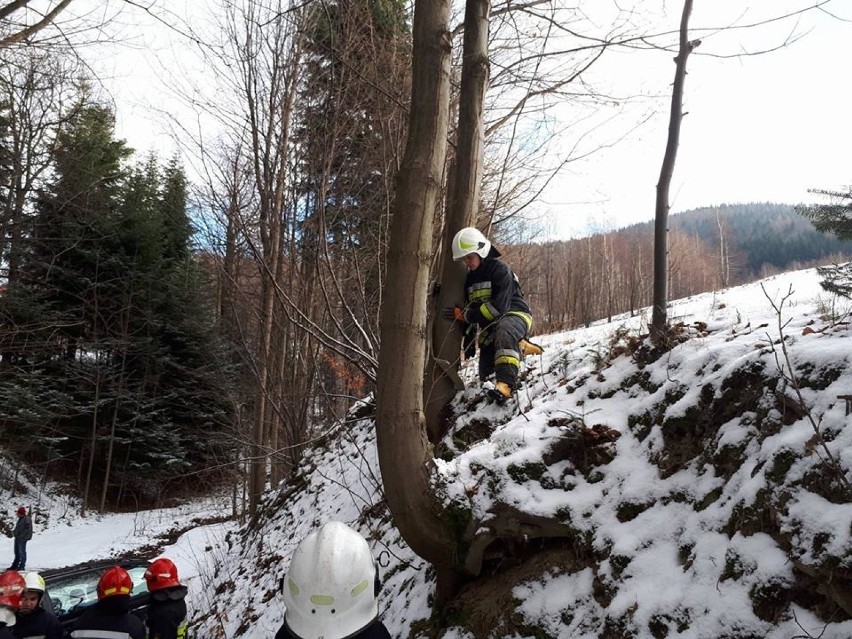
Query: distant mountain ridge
column 761, row 234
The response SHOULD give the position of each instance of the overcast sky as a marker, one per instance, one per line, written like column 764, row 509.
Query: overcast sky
column 758, row 128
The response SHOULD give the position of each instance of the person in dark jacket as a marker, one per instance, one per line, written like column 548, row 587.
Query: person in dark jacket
column 167, row 606
column 496, row 308
column 12, row 587
column 33, row 621
column 109, row 617
column 331, row 588
column 22, row 533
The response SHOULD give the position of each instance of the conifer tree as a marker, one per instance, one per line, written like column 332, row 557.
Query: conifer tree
column 834, row 217
column 108, row 338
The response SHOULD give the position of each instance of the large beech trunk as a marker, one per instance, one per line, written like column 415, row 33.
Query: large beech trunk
column 449, row 538
column 405, row 457
column 462, row 207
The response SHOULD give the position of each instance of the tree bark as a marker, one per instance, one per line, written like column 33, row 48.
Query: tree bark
column 462, row 207
column 405, row 457
column 659, row 315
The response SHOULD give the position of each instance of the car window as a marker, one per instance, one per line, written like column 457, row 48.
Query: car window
column 137, row 574
column 74, row 592
column 70, row 593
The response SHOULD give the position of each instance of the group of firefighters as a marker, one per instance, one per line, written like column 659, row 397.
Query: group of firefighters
column 330, row 591
column 22, row 615
column 332, row 585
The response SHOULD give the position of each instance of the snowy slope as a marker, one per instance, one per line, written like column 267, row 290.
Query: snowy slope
column 702, row 519
column 685, row 539
column 62, row 538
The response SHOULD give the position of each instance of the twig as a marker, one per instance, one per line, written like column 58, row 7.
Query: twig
column 790, row 377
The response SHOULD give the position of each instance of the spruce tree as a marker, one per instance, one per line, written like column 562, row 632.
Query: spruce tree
column 833, row 217
column 111, row 354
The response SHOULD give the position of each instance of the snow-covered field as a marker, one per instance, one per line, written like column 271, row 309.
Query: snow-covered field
column 669, row 565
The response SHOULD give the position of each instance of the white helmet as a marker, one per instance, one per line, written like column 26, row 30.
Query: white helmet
column 34, row 581
column 330, row 588
column 470, row 240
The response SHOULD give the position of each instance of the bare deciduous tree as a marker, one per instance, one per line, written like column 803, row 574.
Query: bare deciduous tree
column 15, row 23
column 37, row 94
column 659, row 317
column 404, row 453
column 463, row 206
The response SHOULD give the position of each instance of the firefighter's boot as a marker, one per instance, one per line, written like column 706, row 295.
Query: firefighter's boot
column 530, row 348
column 500, row 393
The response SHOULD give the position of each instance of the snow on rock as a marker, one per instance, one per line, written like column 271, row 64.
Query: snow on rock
column 710, row 509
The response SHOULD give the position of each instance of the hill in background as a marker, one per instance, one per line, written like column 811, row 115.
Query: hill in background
column 572, row 283
column 764, row 238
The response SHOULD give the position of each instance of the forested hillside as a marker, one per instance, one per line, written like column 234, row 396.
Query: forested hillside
column 688, row 483
column 761, row 236
column 575, row 282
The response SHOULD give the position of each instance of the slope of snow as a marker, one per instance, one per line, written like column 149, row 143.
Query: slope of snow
column 675, row 569
column 62, row 538
column 680, row 531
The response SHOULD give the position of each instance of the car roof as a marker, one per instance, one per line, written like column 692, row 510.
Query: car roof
column 93, row 566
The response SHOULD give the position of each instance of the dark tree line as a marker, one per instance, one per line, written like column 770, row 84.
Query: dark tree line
column 110, row 370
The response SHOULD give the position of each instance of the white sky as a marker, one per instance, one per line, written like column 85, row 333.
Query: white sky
column 759, row 128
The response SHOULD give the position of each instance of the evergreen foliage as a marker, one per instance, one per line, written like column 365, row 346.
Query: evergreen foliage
column 342, row 129
column 350, row 125
column 111, row 369
column 834, row 217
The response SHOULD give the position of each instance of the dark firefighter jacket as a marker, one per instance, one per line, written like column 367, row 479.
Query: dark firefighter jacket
column 167, row 614
column 37, row 624
column 491, row 291
column 109, row 619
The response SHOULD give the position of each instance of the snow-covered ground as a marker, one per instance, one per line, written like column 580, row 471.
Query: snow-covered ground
column 671, row 566
column 62, row 538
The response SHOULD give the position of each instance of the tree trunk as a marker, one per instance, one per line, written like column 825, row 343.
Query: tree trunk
column 259, row 443
column 93, row 444
column 109, row 451
column 405, row 457
column 659, row 319
column 462, row 208
column 724, row 253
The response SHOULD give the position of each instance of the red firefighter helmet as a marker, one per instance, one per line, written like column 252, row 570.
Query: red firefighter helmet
column 12, row 586
column 115, row 581
column 162, row 573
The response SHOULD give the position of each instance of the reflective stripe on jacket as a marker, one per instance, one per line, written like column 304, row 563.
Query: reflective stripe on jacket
column 491, row 291
column 109, row 619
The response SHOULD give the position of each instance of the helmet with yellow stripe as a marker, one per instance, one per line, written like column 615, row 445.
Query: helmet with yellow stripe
column 470, row 240
column 115, row 581
column 330, row 589
column 162, row 574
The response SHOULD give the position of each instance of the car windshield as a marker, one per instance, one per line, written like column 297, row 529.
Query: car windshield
column 70, row 592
